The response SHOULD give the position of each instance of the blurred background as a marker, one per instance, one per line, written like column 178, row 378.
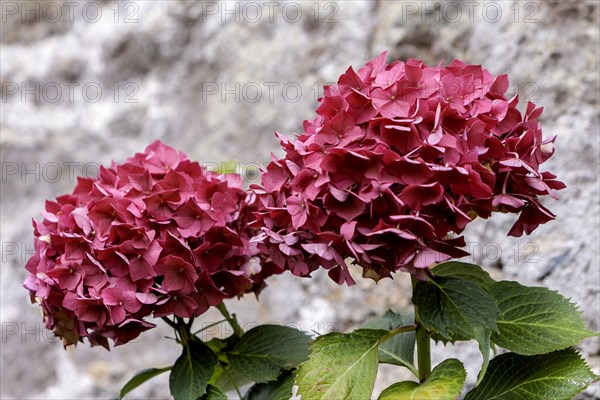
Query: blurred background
column 84, row 83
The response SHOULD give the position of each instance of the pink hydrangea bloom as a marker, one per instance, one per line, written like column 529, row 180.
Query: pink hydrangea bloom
column 157, row 235
column 400, row 158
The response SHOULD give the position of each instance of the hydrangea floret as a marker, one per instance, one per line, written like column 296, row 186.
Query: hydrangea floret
column 399, row 160
column 157, row 235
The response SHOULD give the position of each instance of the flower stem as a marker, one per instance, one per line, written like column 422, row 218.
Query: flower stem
column 423, row 353
column 190, row 323
column 184, row 331
column 423, row 345
column 237, row 329
column 169, row 322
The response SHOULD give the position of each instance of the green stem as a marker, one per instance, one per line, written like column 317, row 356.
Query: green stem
column 190, row 323
column 237, row 329
column 397, row 331
column 184, row 331
column 169, row 322
column 423, row 353
column 423, row 345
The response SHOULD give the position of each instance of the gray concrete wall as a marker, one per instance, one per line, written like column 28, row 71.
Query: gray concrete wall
column 217, row 84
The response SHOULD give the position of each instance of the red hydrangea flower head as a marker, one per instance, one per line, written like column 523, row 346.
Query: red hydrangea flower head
column 400, row 158
column 157, row 235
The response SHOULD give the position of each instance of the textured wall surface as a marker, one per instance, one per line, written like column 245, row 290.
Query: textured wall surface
column 84, row 83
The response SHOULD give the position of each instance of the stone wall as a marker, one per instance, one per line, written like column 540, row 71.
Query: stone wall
column 86, row 83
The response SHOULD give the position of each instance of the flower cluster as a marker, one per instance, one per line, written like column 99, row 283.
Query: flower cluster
column 156, row 235
column 400, row 158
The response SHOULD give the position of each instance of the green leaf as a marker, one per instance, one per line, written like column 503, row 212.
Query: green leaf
column 469, row 272
column 555, row 376
column 483, row 340
column 400, row 349
column 217, row 345
column 454, row 338
column 535, row 320
column 451, row 305
column 454, row 307
column 341, row 366
column 281, row 389
column 141, row 377
column 214, row 393
column 263, row 351
column 192, row 370
column 444, row 383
